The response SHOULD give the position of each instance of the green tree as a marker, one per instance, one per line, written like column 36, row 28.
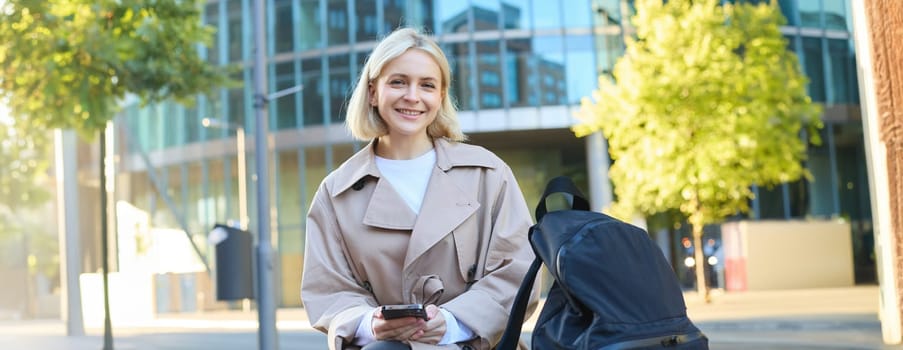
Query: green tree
column 70, row 63
column 706, row 102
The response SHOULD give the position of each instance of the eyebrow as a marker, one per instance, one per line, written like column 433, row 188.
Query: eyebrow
column 402, row 75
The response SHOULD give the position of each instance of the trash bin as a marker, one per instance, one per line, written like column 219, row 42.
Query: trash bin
column 234, row 276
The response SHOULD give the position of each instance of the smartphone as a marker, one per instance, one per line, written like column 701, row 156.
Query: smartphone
column 407, row 310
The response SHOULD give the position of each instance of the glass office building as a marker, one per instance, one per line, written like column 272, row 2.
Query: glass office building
column 519, row 69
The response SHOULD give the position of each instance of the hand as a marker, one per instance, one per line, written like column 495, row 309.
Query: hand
column 399, row 329
column 434, row 329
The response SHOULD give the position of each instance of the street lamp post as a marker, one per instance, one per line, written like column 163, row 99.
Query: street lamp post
column 242, row 166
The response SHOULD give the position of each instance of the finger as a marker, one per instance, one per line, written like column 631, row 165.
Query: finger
column 432, row 311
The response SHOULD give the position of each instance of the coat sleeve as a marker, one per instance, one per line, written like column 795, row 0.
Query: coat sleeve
column 332, row 297
column 486, row 305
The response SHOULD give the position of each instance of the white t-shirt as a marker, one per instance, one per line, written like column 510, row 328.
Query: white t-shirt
column 409, row 177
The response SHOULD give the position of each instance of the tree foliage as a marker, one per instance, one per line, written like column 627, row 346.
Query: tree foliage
column 706, row 102
column 69, row 63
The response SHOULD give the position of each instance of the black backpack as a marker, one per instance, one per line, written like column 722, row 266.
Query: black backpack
column 613, row 287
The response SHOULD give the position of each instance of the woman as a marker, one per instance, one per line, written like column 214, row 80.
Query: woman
column 414, row 217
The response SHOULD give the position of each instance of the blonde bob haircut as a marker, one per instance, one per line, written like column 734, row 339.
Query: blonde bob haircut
column 363, row 120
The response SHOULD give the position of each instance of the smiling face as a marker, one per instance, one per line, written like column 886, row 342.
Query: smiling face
column 408, row 95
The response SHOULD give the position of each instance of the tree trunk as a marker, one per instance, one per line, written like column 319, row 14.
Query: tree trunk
column 701, row 286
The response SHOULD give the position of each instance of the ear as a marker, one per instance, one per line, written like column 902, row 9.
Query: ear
column 372, row 94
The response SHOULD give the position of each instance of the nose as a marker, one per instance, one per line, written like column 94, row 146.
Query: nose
column 412, row 94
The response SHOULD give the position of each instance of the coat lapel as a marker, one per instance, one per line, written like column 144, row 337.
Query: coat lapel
column 387, row 209
column 445, row 207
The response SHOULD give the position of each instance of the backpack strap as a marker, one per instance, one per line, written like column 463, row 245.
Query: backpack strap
column 516, row 319
column 561, row 184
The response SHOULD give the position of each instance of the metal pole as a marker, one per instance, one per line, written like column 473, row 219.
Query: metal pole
column 104, row 249
column 242, row 179
column 70, row 246
column 266, row 309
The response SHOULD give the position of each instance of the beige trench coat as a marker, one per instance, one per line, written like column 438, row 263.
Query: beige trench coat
column 467, row 251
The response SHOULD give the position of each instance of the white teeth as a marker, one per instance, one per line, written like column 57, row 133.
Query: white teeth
column 408, row 112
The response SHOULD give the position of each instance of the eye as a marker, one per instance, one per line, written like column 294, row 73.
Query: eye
column 396, row 82
column 429, row 85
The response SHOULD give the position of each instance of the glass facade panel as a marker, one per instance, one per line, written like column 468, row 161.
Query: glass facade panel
column 459, row 60
column 581, row 78
column 339, row 86
column 522, row 85
column 451, row 17
column 309, row 24
column 313, row 91
column 517, row 14
column 576, row 14
column 551, row 14
column 606, row 12
column 235, row 35
column 413, row 13
column 490, row 74
column 548, row 69
column 211, row 18
column 292, row 210
column 285, row 107
column 810, row 13
column 843, row 72
column 283, row 30
column 771, row 202
column 788, row 9
column 337, row 21
column 815, row 70
column 821, row 190
column 836, row 15
column 367, row 20
column 192, row 123
column 487, row 15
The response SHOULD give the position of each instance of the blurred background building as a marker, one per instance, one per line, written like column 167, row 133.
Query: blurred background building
column 520, row 68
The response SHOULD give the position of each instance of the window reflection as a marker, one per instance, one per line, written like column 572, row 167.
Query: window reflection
column 211, row 18
column 367, row 24
column 235, row 38
column 283, row 33
column 810, row 13
column 788, row 9
column 337, row 21
column 581, row 79
column 487, row 15
column 576, row 13
column 313, row 91
column 490, row 74
column 843, row 71
column 550, row 17
column 836, row 15
column 458, row 56
column 522, row 85
column 549, row 70
column 814, row 68
column 309, row 24
column 606, row 11
column 415, row 13
column 517, row 14
column 451, row 17
column 339, row 86
column 285, row 107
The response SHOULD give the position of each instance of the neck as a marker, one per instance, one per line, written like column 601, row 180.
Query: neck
column 403, row 148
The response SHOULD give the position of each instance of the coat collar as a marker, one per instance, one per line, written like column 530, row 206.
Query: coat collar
column 445, row 204
column 448, row 155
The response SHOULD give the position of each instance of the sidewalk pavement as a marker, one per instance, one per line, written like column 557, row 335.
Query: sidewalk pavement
column 828, row 318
